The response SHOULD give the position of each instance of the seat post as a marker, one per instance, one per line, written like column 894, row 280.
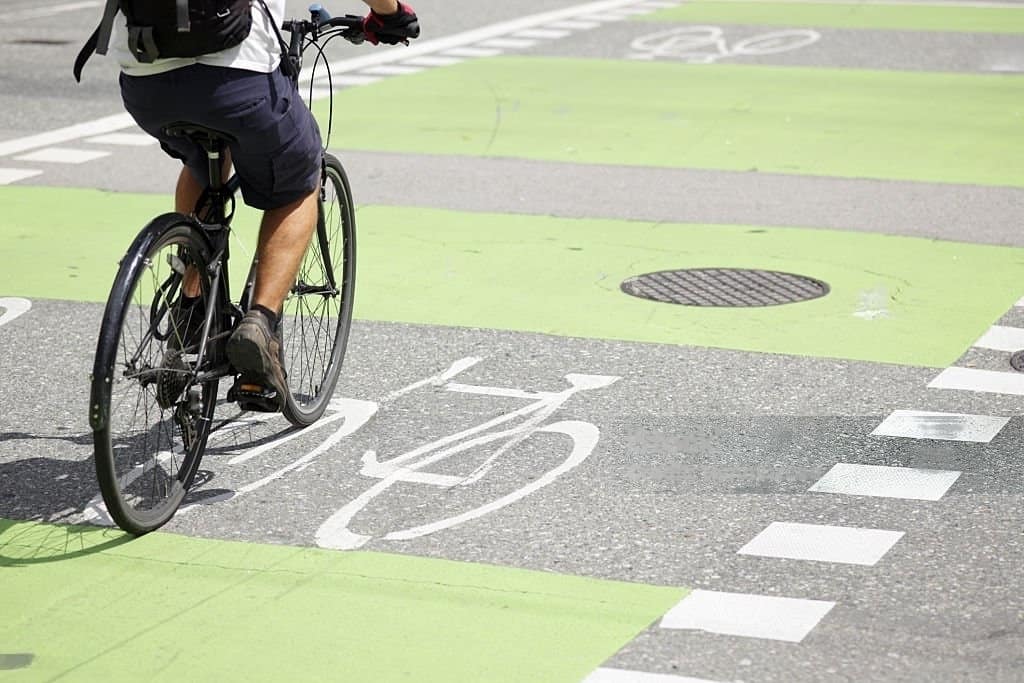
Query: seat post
column 214, row 148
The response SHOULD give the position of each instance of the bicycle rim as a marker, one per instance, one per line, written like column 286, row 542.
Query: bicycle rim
column 150, row 419
column 318, row 310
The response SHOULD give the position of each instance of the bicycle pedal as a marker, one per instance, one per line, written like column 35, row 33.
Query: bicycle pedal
column 254, row 397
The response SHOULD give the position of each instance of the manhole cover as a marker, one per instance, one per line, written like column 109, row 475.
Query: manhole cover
column 724, row 287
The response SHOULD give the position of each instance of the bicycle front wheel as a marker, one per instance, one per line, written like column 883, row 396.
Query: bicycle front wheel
column 318, row 309
column 150, row 417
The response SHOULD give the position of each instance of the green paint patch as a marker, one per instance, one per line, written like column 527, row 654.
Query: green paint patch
column 894, row 299
column 917, row 17
column 67, row 243
column 170, row 608
column 939, row 127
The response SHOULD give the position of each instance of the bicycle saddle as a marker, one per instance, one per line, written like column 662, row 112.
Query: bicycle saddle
column 206, row 137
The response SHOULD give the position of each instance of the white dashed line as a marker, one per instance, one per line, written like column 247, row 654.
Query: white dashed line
column 917, row 424
column 13, row 175
column 1001, row 338
column 472, row 52
column 508, row 43
column 820, row 543
column 107, row 124
column 392, row 70
column 63, row 155
column 432, row 60
column 983, row 381
column 886, row 482
column 573, row 25
column 751, row 616
column 126, row 139
column 542, row 33
column 605, row 18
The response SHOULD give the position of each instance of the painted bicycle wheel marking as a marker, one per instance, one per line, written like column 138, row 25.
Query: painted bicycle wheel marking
column 13, row 307
column 407, row 467
column 707, row 44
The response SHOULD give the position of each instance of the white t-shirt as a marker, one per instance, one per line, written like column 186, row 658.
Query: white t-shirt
column 260, row 51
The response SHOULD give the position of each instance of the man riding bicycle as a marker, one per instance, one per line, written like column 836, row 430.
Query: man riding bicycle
column 276, row 149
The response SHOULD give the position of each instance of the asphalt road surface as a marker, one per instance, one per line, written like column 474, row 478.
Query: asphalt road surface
column 824, row 490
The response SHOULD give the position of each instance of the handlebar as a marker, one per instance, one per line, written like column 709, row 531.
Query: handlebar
column 321, row 23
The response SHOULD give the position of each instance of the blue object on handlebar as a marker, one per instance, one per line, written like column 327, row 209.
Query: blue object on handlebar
column 318, row 13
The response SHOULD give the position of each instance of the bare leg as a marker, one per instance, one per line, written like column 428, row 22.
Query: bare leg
column 284, row 235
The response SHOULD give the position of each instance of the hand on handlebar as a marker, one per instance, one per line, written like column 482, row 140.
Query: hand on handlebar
column 392, row 28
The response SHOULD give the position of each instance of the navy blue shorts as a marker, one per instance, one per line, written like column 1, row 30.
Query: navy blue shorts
column 277, row 153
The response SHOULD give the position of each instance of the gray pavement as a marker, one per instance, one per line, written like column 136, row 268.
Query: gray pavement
column 700, row 449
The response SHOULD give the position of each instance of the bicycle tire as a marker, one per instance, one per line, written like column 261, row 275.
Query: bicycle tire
column 150, row 419
column 317, row 312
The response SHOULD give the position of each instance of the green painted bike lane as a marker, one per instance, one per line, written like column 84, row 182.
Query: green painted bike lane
column 87, row 604
column 82, row 603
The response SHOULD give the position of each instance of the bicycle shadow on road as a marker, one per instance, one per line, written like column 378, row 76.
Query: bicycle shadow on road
column 27, row 543
column 54, row 482
column 42, row 497
column 41, row 492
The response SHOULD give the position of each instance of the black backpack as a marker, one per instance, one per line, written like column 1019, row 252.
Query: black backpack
column 171, row 28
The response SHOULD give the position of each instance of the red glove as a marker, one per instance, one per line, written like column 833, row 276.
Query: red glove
column 392, row 28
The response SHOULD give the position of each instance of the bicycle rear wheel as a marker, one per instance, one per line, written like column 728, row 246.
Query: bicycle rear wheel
column 150, row 418
column 318, row 309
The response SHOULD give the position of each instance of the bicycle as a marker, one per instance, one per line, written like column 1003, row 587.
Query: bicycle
column 158, row 364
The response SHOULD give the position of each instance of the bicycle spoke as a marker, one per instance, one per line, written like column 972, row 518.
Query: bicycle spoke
column 152, row 438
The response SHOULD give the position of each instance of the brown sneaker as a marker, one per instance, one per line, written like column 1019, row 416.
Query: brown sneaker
column 255, row 352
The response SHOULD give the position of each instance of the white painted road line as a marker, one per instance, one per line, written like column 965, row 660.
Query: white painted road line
column 573, row 25
column 13, row 175
column 1001, row 338
column 886, row 482
column 472, row 52
column 13, row 307
column 432, row 60
column 107, row 124
column 605, row 675
column 541, row 33
column 127, row 139
column 822, row 543
column 984, row 381
column 917, row 424
column 64, row 155
column 392, row 70
column 604, row 18
column 508, row 43
column 750, row 616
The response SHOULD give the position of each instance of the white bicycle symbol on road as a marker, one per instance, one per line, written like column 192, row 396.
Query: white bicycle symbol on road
column 347, row 416
column 707, row 44
column 12, row 308
column 411, row 466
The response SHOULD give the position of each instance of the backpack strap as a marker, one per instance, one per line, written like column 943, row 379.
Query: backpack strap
column 99, row 40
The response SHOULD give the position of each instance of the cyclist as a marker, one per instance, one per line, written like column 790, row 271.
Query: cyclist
column 243, row 92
